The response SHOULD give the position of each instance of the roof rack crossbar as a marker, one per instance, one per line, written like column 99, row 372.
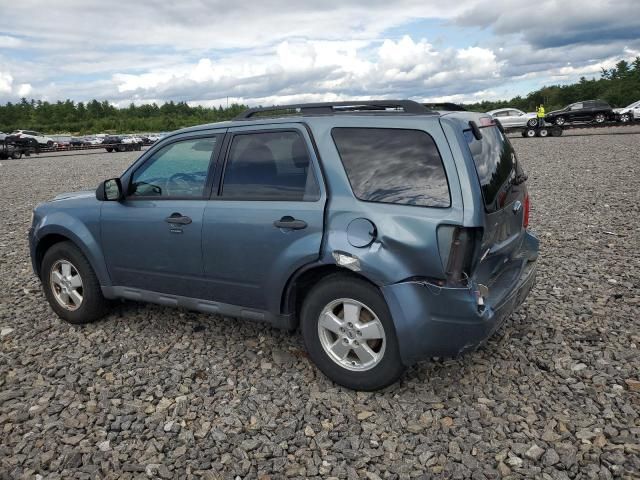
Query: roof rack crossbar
column 328, row 108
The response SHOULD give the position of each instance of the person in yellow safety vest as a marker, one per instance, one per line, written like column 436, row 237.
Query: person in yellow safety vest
column 541, row 116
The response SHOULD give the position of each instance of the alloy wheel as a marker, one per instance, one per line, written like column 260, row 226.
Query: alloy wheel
column 351, row 334
column 66, row 284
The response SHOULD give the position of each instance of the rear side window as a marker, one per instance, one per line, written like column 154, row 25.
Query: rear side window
column 269, row 166
column 495, row 162
column 393, row 166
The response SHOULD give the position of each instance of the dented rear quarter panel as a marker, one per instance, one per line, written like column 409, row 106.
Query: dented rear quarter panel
column 406, row 243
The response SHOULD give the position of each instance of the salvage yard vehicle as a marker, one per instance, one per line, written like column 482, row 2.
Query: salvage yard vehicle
column 597, row 111
column 117, row 143
column 514, row 118
column 387, row 232
column 629, row 113
column 40, row 138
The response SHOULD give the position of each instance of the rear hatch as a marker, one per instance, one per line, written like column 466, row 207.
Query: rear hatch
column 499, row 260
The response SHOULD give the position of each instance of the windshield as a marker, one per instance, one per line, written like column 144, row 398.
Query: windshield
column 496, row 164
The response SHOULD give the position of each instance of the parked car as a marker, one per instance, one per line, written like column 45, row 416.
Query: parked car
column 78, row 142
column 629, row 113
column 345, row 220
column 121, row 143
column 597, row 111
column 40, row 138
column 514, row 118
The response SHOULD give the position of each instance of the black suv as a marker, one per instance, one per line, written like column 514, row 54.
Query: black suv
column 587, row 111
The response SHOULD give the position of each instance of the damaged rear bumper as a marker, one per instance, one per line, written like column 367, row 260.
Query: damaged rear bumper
column 437, row 321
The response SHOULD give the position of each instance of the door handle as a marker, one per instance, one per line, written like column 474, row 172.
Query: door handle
column 178, row 218
column 290, row 222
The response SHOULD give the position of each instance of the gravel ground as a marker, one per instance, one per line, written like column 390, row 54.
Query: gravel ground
column 155, row 392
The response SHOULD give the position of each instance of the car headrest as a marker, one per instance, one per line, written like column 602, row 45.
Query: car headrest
column 257, row 157
column 299, row 153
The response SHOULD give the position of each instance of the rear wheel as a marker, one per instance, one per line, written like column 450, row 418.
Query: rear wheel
column 543, row 132
column 49, row 144
column 71, row 285
column 560, row 120
column 530, row 132
column 16, row 155
column 625, row 118
column 556, row 132
column 109, row 149
column 349, row 333
column 532, row 122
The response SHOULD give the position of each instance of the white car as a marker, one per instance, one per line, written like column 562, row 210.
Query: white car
column 514, row 118
column 131, row 139
column 41, row 138
column 628, row 113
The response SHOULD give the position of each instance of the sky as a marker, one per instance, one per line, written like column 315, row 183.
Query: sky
column 208, row 52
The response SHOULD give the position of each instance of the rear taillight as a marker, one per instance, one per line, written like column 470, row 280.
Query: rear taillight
column 525, row 216
column 459, row 255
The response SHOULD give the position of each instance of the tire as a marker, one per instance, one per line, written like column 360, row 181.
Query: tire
column 340, row 290
column 530, row 132
column 543, row 132
column 120, row 148
column 92, row 305
column 49, row 144
column 109, row 150
column 625, row 118
column 16, row 155
column 556, row 132
column 532, row 122
column 560, row 121
column 524, row 133
column 600, row 118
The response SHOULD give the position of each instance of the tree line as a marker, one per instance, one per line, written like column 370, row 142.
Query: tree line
column 102, row 117
column 619, row 86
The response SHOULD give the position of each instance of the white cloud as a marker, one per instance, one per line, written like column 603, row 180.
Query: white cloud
column 6, row 82
column 9, row 42
column 272, row 51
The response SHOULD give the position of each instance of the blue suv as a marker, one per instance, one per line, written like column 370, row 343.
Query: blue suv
column 387, row 232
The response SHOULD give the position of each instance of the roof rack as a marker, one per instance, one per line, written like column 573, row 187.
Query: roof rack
column 449, row 106
column 331, row 108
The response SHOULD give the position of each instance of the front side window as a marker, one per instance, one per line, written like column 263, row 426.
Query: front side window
column 388, row 165
column 178, row 170
column 269, row 166
column 576, row 106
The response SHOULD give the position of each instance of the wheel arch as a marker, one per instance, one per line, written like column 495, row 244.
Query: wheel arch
column 303, row 280
column 83, row 240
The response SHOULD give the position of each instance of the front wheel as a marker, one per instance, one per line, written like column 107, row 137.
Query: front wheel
column 543, row 132
column 16, row 155
column 350, row 335
column 600, row 118
column 560, row 121
column 530, row 132
column 71, row 285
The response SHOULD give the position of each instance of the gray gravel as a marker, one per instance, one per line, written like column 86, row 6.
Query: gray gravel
column 151, row 392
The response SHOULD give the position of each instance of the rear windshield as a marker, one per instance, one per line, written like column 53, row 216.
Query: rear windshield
column 391, row 165
column 495, row 162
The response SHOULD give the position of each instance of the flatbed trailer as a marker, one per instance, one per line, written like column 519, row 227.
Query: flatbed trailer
column 12, row 147
column 549, row 130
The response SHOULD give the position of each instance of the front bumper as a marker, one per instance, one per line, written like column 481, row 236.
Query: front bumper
column 434, row 321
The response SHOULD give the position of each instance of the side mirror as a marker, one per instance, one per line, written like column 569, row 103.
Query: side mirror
column 110, row 190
